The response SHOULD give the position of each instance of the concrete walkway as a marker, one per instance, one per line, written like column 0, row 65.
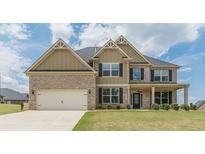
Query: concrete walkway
column 40, row 120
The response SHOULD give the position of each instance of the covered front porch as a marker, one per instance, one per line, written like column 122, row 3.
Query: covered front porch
column 142, row 96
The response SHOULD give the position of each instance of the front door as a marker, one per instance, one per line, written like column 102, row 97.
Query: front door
column 136, row 100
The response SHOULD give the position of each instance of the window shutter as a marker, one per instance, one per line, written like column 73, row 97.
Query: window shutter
column 121, row 95
column 131, row 73
column 121, row 69
column 170, row 75
column 100, row 69
column 100, row 96
column 142, row 73
column 170, row 97
column 152, row 75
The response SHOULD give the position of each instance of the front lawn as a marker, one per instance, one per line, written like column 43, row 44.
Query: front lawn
column 11, row 108
column 142, row 121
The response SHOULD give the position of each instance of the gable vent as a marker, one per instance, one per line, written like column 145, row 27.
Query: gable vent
column 121, row 40
column 60, row 45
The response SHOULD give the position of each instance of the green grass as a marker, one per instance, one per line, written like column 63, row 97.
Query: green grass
column 142, row 121
column 11, row 108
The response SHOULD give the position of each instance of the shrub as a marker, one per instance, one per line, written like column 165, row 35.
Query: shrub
column 118, row 107
column 175, row 106
column 99, row 107
column 185, row 107
column 161, row 106
column 166, row 107
column 193, row 106
column 155, row 106
column 109, row 107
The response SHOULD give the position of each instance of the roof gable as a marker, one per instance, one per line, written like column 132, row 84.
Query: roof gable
column 110, row 45
column 60, row 57
column 127, row 47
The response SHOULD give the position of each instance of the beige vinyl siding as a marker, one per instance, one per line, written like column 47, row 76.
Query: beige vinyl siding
column 132, row 53
column 112, row 56
column 61, row 59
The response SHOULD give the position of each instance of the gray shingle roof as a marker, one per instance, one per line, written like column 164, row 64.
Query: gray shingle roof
column 158, row 62
column 88, row 52
column 10, row 94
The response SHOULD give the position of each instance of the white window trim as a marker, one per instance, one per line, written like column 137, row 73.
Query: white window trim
column 161, row 76
column 133, row 75
column 111, row 70
column 161, row 96
column 111, row 96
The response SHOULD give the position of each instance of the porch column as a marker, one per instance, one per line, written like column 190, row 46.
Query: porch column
column 186, row 95
column 153, row 92
column 128, row 97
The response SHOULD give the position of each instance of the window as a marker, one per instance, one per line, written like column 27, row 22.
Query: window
column 161, row 75
column 157, row 97
column 110, row 69
column 106, row 69
column 162, row 98
column 157, row 75
column 111, row 95
column 165, row 98
column 115, row 69
column 115, row 95
column 165, row 75
column 136, row 74
column 106, row 95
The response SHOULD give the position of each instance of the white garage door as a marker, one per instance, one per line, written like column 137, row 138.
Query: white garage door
column 71, row 99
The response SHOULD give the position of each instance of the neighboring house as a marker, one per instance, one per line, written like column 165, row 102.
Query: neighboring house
column 115, row 74
column 200, row 105
column 10, row 96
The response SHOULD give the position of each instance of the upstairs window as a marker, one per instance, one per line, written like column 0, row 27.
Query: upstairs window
column 110, row 69
column 136, row 74
column 161, row 75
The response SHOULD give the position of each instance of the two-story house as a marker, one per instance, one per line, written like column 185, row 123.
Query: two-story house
column 114, row 74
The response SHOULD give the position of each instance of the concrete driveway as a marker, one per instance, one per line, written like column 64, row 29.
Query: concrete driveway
column 40, row 120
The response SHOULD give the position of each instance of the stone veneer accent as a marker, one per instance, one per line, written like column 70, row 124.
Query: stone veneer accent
column 62, row 81
column 125, row 97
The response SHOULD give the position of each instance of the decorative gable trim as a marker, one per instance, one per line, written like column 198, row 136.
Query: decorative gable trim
column 110, row 45
column 59, row 44
column 123, row 41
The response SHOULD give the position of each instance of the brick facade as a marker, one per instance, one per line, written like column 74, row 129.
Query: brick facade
column 62, row 82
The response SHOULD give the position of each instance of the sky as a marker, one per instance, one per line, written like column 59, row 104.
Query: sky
column 182, row 44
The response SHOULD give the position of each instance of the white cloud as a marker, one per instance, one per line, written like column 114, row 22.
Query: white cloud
column 12, row 67
column 187, row 59
column 16, row 31
column 184, row 80
column 63, row 31
column 151, row 39
column 98, row 34
column 185, row 69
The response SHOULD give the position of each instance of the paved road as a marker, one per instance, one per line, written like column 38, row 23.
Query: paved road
column 40, row 120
